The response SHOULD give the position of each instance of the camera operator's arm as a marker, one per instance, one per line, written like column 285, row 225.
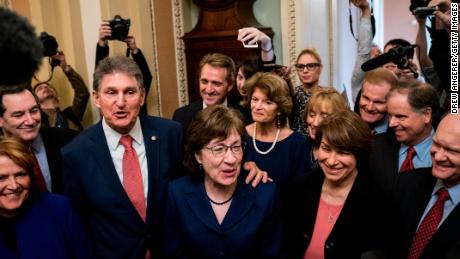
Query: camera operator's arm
column 443, row 12
column 426, row 63
column 140, row 60
column 364, row 45
column 420, row 40
column 81, row 93
column 253, row 35
column 102, row 48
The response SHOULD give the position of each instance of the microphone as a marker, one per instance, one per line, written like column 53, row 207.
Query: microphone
column 398, row 55
column 378, row 61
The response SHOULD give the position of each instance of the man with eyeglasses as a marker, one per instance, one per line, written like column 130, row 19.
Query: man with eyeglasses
column 308, row 67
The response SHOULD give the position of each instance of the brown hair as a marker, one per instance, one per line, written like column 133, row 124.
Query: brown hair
column 419, row 95
column 220, row 60
column 120, row 64
column 346, row 131
column 18, row 152
column 214, row 122
column 325, row 95
column 310, row 51
column 276, row 90
column 379, row 75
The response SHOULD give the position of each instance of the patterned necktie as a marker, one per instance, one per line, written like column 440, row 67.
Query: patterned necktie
column 428, row 226
column 408, row 164
column 132, row 178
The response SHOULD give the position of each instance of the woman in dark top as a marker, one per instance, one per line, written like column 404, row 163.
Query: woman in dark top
column 213, row 213
column 336, row 211
column 272, row 145
column 33, row 224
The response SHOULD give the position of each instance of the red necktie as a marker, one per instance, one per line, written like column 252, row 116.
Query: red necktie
column 408, row 164
column 428, row 226
column 132, row 178
column 39, row 179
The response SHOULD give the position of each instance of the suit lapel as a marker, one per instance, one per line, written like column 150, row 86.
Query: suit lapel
column 243, row 200
column 151, row 142
column 100, row 151
column 198, row 204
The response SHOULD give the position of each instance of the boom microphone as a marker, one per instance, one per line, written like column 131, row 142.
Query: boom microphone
column 377, row 61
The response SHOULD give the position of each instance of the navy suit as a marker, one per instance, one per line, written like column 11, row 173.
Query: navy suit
column 413, row 193
column 53, row 140
column 251, row 228
column 92, row 183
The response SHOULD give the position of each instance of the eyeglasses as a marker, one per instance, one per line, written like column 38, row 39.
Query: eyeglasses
column 221, row 150
column 309, row 66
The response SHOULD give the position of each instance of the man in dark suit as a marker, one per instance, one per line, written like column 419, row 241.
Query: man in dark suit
column 122, row 225
column 216, row 80
column 418, row 193
column 20, row 117
column 411, row 106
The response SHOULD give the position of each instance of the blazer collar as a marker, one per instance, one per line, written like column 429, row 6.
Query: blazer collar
column 243, row 200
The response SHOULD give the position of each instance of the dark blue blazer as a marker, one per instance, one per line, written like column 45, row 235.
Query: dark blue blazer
column 90, row 179
column 47, row 228
column 413, row 192
column 251, row 228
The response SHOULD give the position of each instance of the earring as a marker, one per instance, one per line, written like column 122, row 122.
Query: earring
column 278, row 119
column 200, row 167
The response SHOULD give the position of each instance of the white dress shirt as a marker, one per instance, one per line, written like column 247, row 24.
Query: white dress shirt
column 117, row 150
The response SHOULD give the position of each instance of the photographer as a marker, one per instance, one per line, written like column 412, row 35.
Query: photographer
column 71, row 116
column 102, row 51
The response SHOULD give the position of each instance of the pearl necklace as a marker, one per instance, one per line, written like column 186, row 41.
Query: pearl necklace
column 255, row 145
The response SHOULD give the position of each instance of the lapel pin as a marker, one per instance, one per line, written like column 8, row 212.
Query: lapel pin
column 153, row 138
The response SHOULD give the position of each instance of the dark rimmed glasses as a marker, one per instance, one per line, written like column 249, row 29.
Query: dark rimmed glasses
column 220, row 150
column 309, row 66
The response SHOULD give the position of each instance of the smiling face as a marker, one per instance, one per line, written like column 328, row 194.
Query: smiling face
column 338, row 165
column 309, row 77
column 373, row 101
column 221, row 170
column 14, row 187
column 410, row 126
column 213, row 84
column 315, row 116
column 263, row 110
column 445, row 151
column 22, row 117
column 119, row 99
column 240, row 79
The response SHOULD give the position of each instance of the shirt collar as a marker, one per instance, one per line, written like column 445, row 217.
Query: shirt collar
column 113, row 137
column 224, row 103
column 454, row 191
column 37, row 144
column 422, row 149
column 381, row 126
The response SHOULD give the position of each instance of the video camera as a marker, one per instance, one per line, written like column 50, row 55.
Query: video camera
column 50, row 47
column 420, row 8
column 120, row 28
column 399, row 55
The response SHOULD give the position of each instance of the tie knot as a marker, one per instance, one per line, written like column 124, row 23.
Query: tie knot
column 443, row 195
column 126, row 141
column 411, row 152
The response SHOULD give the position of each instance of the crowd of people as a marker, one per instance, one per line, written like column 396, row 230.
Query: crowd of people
column 275, row 172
